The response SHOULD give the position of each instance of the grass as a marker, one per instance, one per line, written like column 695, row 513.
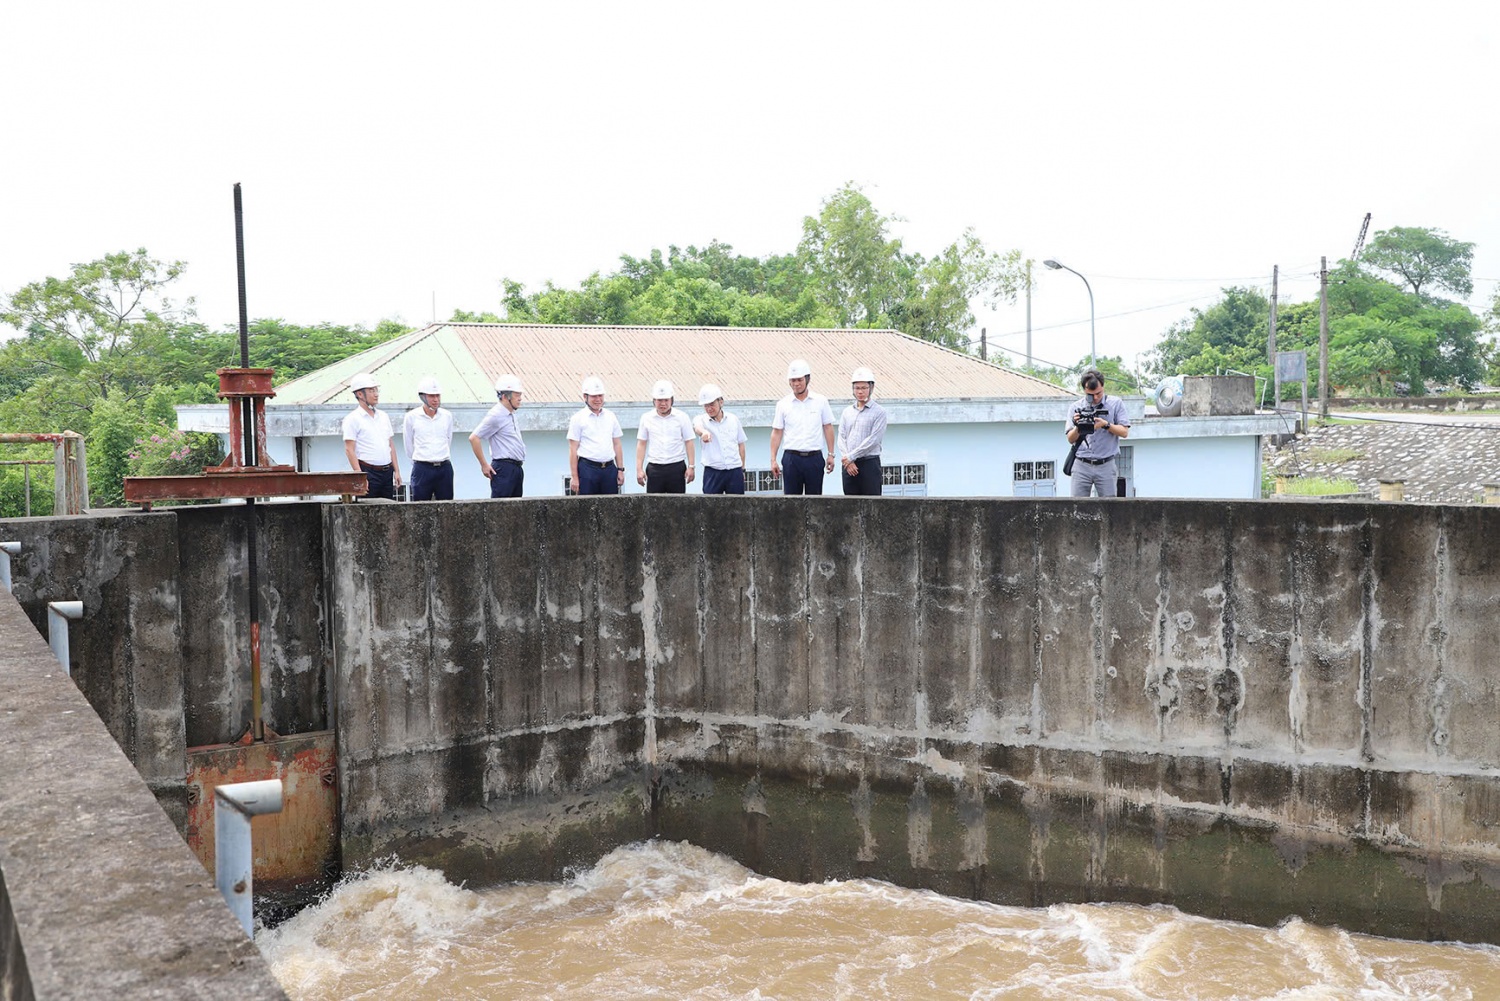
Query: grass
column 1320, row 455
column 1317, row 486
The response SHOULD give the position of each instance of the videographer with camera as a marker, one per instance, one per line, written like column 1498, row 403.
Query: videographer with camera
column 1095, row 427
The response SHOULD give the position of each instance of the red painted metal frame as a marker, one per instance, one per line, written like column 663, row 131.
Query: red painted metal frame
column 235, row 478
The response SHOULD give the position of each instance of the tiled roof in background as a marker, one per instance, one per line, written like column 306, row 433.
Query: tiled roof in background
column 748, row 363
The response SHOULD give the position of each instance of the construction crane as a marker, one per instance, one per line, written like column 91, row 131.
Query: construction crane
column 1360, row 243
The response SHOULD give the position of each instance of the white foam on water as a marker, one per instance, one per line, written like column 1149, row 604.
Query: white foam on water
column 666, row 920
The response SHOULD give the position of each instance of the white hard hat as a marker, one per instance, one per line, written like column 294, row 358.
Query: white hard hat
column 429, row 387
column 663, row 390
column 593, row 386
column 797, row 369
column 862, row 374
column 508, row 384
column 363, row 380
column 709, row 393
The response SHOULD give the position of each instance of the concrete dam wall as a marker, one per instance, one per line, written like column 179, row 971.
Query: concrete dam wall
column 1247, row 710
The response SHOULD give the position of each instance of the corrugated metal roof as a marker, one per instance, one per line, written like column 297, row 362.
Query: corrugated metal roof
column 748, row 363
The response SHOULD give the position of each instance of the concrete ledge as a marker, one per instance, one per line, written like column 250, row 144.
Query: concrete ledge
column 99, row 896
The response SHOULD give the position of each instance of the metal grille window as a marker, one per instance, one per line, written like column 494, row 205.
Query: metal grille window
column 761, row 481
column 904, row 480
column 1037, row 478
column 1125, row 464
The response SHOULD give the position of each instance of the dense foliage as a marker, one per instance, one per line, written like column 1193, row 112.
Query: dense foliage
column 847, row 271
column 1383, row 336
column 106, row 353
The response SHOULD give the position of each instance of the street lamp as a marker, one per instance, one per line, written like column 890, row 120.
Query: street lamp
column 1093, row 358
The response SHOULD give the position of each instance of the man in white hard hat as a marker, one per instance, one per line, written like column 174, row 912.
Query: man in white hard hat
column 595, row 457
column 664, row 445
column 427, row 433
column 861, row 435
column 723, row 444
column 369, row 442
column 804, row 423
column 505, row 468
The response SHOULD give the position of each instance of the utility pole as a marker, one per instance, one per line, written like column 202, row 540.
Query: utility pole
column 1323, row 339
column 1271, row 340
column 983, row 344
column 1028, row 315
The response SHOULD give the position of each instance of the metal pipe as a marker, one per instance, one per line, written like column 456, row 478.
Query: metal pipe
column 234, row 805
column 7, row 550
column 58, row 614
column 252, row 447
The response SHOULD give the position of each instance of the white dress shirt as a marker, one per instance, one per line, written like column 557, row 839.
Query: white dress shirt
column 665, row 436
column 722, row 451
column 802, row 422
column 427, row 439
column 595, row 434
column 371, row 434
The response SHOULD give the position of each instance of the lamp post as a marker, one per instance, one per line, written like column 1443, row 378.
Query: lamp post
column 1093, row 358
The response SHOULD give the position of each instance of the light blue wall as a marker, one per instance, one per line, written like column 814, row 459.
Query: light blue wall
column 962, row 460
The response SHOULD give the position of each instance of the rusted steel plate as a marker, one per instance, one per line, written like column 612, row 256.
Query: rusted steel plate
column 249, row 482
column 293, row 847
column 240, row 382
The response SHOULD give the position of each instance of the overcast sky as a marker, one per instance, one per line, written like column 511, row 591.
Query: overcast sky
column 397, row 156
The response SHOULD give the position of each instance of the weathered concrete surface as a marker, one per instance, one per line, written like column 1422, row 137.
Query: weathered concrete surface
column 491, row 685
column 126, row 650
column 295, row 653
column 99, row 896
column 1247, row 710
column 162, row 651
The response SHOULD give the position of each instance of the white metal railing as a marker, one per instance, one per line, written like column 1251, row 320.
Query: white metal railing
column 7, row 550
column 234, row 805
column 58, row 615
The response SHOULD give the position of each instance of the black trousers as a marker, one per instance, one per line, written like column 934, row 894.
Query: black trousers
column 431, row 480
column 866, row 483
column 666, row 477
column 382, row 480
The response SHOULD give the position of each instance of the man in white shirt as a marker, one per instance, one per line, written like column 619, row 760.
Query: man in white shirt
column 664, row 436
column 427, row 433
column 861, row 436
column 804, row 421
column 594, row 455
column 723, row 444
column 505, row 470
column 369, row 442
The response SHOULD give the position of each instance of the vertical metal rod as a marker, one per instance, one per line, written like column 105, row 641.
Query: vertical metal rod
column 252, row 451
column 26, row 475
column 234, row 805
column 58, row 614
column 7, row 550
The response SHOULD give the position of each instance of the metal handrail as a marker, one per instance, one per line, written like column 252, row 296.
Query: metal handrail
column 234, row 805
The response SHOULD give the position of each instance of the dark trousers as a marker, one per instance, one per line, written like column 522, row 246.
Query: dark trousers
column 431, row 480
column 508, row 479
column 801, row 474
column 666, row 477
column 596, row 479
column 723, row 481
column 382, row 480
column 867, row 482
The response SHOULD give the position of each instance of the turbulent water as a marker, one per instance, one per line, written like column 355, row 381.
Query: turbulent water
column 664, row 920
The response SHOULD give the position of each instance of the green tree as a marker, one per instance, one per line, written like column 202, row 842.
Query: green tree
column 103, row 312
column 1230, row 334
column 1423, row 259
column 847, row 271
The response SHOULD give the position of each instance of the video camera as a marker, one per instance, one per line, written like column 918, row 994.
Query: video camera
column 1084, row 422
